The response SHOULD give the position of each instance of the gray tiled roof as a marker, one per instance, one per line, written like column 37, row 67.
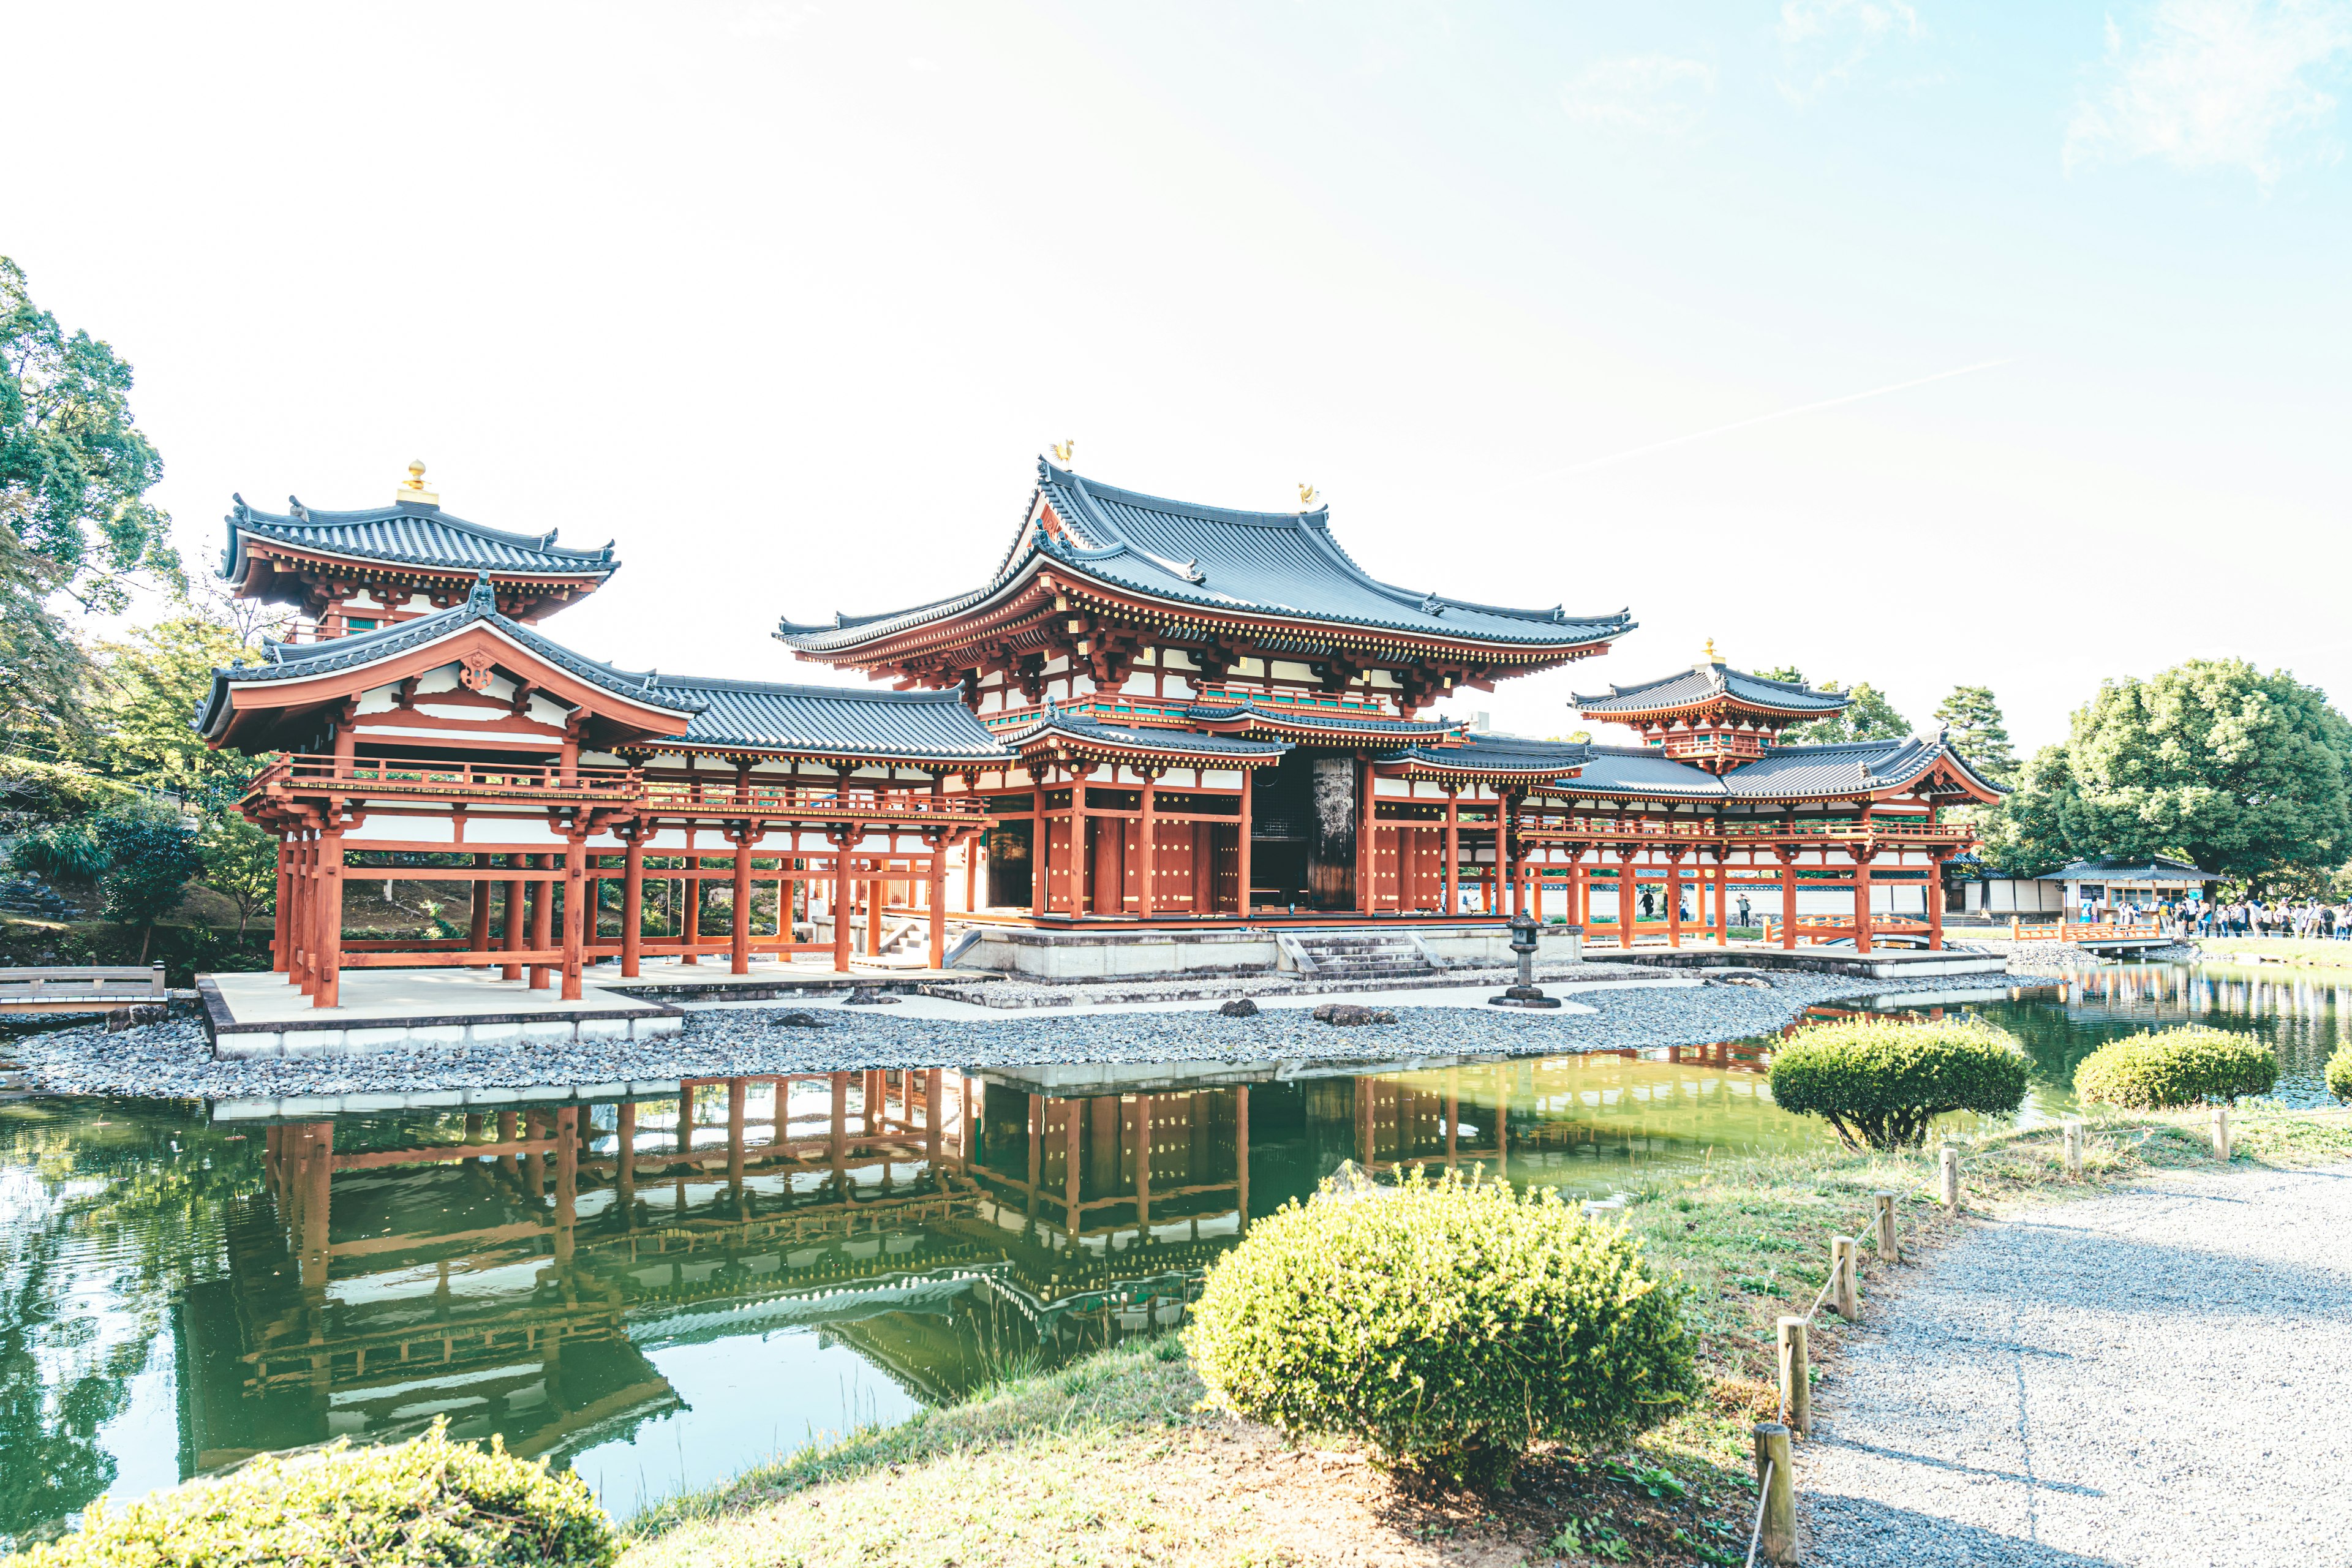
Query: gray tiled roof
column 1703, row 683
column 832, row 720
column 299, row 661
column 409, row 535
column 1846, row 767
column 1500, row 755
column 2157, row 869
column 1338, row 723
column 1226, row 563
column 1646, row 771
column 1173, row 743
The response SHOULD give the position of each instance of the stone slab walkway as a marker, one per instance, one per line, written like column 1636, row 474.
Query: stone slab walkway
column 2159, row 1375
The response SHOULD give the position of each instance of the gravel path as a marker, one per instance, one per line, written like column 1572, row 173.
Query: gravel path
column 2156, row 1376
column 172, row 1060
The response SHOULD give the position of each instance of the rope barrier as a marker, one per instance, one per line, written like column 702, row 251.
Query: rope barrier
column 1763, row 1497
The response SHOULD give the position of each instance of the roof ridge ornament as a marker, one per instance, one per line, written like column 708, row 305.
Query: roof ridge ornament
column 1307, row 495
column 482, row 597
column 294, row 507
column 1064, row 450
column 412, row 490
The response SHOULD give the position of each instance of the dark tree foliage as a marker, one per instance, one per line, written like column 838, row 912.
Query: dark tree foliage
column 1972, row 720
column 1868, row 716
column 2212, row 762
column 150, row 854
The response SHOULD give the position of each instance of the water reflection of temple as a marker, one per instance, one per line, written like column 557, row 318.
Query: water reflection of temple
column 521, row 1269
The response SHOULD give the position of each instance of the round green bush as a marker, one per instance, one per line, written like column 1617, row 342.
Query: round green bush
column 2184, row 1066
column 2339, row 1072
column 425, row 1503
column 1449, row 1324
column 1880, row 1081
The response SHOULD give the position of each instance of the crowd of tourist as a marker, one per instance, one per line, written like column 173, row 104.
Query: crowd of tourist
column 2309, row 919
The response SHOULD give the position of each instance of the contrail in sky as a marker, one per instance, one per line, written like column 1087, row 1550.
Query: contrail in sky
column 1766, row 419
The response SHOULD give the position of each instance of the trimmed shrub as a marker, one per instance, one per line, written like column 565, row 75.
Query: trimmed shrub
column 425, row 1503
column 2184, row 1066
column 1880, row 1081
column 1449, row 1324
column 2339, row 1072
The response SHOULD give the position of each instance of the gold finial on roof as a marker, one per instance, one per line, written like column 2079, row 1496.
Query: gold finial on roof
column 1306, row 493
column 1711, row 657
column 1062, row 450
column 412, row 489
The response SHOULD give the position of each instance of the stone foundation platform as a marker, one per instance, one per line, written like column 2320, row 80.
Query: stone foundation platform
column 1050, row 953
column 395, row 1009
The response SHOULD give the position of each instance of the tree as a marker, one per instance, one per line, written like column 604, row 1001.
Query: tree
column 74, row 518
column 240, row 863
column 150, row 854
column 1868, row 715
column 1973, row 720
column 2212, row 762
column 147, row 689
column 75, row 469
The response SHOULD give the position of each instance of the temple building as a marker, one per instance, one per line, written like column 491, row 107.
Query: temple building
column 1154, row 717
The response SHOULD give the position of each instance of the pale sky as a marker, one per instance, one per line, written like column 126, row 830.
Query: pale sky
column 787, row 298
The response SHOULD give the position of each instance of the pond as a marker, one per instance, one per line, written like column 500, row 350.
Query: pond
column 180, row 1291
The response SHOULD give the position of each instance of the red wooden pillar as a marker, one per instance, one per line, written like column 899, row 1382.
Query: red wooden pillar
column 328, row 990
column 1628, row 885
column 1241, row 896
column 1453, row 850
column 281, row 957
column 478, row 936
column 1788, row 904
column 938, row 955
column 1367, row 855
column 1861, row 903
column 515, row 917
column 1079, row 847
column 298, row 915
column 840, row 906
column 1675, row 900
column 1722, row 902
column 1149, row 867
column 1935, row 904
column 543, row 919
column 741, row 946
column 575, row 913
column 633, row 902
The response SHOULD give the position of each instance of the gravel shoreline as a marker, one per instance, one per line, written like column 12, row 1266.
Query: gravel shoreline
column 2151, row 1376
column 170, row 1060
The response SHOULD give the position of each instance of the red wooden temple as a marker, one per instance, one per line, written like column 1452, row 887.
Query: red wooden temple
column 1154, row 715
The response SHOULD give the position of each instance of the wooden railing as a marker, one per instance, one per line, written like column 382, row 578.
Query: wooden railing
column 722, row 797
column 1700, row 830
column 73, row 990
column 1818, row 926
column 398, row 775
column 616, row 787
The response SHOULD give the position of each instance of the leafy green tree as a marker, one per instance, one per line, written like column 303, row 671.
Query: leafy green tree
column 150, row 854
column 148, row 687
column 1973, row 721
column 2245, row 773
column 240, row 863
column 1868, row 715
column 75, row 469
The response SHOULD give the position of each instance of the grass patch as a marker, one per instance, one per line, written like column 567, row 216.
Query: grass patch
column 1111, row 1461
column 2283, row 948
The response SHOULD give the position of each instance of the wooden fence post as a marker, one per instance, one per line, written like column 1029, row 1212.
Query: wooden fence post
column 1841, row 1293
column 1777, row 1514
column 2222, row 1132
column 1796, row 1375
column 1951, row 1168
column 2074, row 1149
column 1887, row 1251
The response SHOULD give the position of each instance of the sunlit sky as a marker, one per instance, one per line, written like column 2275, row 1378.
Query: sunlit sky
column 1555, row 303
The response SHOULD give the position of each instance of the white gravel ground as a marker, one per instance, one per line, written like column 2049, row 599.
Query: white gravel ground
column 2157, row 1377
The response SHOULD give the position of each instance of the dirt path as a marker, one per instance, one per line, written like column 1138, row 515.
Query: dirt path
column 2160, row 1375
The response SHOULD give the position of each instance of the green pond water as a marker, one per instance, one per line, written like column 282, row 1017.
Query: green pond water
column 179, row 1291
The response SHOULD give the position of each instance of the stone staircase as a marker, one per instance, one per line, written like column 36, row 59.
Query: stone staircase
column 1362, row 956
